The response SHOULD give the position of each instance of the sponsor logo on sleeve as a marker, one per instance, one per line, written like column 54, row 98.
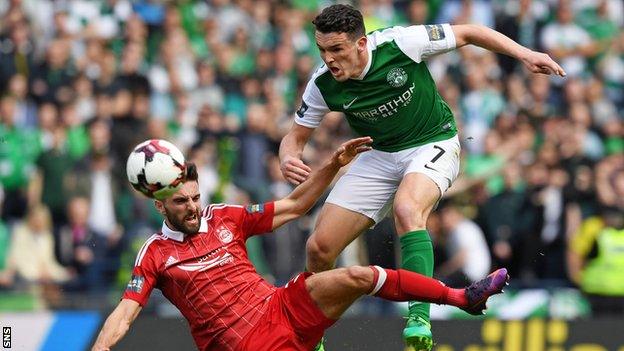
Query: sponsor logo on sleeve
column 135, row 284
column 302, row 110
column 435, row 32
column 255, row 208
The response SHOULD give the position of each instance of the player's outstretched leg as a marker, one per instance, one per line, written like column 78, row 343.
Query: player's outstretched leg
column 336, row 227
column 402, row 285
column 334, row 291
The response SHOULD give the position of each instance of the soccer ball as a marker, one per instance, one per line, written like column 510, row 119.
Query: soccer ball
column 156, row 168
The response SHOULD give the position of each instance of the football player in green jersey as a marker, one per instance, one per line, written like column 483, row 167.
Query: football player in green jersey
column 382, row 85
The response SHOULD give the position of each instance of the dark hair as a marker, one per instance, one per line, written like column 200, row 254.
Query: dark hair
column 191, row 172
column 340, row 19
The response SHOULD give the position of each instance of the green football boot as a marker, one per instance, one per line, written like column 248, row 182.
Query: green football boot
column 417, row 334
column 321, row 345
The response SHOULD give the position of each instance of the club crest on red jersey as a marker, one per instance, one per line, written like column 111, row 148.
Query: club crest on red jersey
column 225, row 235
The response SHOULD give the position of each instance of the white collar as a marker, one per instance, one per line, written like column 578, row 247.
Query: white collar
column 179, row 236
column 369, row 48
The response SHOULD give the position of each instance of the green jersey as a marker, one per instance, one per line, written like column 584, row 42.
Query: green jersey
column 19, row 149
column 395, row 100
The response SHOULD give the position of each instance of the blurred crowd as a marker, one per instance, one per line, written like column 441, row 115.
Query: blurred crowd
column 83, row 81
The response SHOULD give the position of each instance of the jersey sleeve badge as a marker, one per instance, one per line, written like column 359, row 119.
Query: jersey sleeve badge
column 259, row 208
column 435, row 32
column 135, row 284
column 302, row 110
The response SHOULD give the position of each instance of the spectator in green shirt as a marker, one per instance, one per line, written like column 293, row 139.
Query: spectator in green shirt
column 18, row 150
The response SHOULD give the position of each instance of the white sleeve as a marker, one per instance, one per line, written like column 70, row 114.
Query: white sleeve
column 313, row 107
column 423, row 41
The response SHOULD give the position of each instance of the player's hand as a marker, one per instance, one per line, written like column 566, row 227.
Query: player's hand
column 539, row 62
column 348, row 150
column 294, row 170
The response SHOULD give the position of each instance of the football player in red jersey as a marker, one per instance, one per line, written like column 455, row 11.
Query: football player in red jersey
column 199, row 262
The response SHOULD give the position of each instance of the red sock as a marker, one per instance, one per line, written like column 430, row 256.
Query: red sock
column 402, row 285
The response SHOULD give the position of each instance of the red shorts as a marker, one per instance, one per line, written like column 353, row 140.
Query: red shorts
column 292, row 321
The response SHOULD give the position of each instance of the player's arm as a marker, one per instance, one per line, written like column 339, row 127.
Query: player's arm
column 309, row 115
column 117, row 324
column 300, row 200
column 487, row 38
column 291, row 148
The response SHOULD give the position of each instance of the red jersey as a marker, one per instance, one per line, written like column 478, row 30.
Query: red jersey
column 208, row 276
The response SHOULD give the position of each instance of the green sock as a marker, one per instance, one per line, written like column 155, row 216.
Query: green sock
column 417, row 256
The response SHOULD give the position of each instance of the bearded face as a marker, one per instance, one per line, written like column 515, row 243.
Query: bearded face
column 182, row 209
column 186, row 222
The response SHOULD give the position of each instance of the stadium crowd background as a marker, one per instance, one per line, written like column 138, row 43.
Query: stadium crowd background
column 82, row 82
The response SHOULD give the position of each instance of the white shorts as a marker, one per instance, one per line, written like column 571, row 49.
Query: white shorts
column 371, row 182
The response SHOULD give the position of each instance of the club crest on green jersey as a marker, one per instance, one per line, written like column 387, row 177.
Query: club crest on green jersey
column 397, row 77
